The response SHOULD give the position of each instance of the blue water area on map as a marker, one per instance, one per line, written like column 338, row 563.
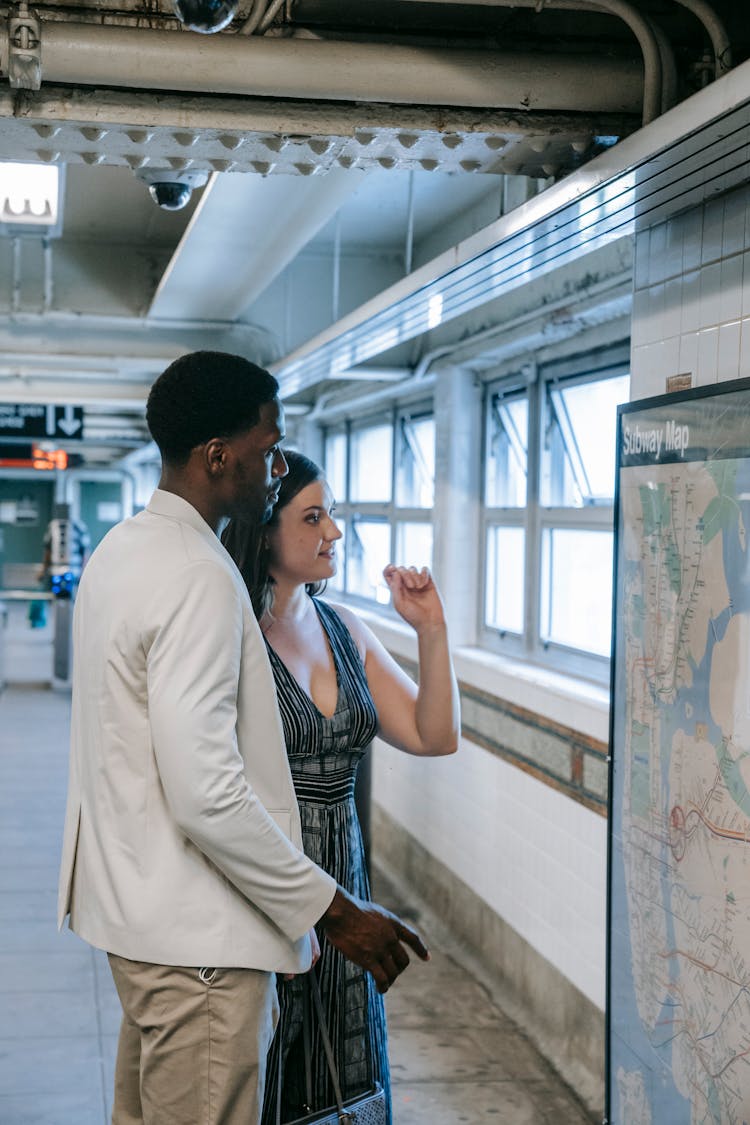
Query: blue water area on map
column 737, row 561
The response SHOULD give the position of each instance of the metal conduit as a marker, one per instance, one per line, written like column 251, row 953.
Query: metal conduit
column 643, row 31
column 257, row 12
column 668, row 68
column 664, row 75
column 717, row 33
column 638, row 24
column 91, row 55
column 261, row 17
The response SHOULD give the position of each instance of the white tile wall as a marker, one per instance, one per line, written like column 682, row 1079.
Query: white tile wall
column 534, row 856
column 691, row 307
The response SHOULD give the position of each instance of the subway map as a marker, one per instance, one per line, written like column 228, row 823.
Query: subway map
column 679, row 957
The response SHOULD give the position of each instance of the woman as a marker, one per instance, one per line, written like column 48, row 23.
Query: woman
column 337, row 688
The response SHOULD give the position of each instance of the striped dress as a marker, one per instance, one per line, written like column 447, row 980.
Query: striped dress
column 323, row 755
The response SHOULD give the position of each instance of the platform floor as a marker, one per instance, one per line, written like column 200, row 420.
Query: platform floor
column 455, row 1057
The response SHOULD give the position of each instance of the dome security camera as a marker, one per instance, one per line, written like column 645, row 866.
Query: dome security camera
column 205, row 16
column 171, row 190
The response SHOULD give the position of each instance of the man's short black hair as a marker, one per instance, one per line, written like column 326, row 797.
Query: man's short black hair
column 204, row 395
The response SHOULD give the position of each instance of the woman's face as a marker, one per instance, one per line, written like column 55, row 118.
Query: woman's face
column 302, row 541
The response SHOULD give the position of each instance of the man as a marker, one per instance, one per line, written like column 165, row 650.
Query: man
column 181, row 854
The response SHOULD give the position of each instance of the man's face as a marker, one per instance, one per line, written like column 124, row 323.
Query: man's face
column 256, row 466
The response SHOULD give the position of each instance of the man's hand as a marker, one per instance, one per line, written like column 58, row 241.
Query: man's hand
column 315, row 945
column 371, row 937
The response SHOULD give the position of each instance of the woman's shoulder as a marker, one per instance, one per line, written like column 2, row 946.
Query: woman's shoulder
column 357, row 629
column 341, row 611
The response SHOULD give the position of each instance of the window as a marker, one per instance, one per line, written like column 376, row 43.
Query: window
column 382, row 473
column 507, row 450
column 546, row 493
column 549, row 475
column 371, row 452
column 576, row 593
column 504, row 608
column 578, row 462
column 337, row 582
column 415, row 466
column 505, row 489
column 368, row 554
column 335, row 462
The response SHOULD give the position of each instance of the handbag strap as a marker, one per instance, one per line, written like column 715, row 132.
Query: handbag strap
column 314, row 988
column 312, row 992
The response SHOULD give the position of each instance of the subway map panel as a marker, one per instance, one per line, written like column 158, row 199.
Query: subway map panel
column 679, row 957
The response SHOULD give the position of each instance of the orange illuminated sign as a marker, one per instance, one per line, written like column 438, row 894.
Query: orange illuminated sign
column 49, row 458
column 45, row 460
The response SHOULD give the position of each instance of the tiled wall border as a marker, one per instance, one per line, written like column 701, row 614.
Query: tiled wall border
column 565, row 759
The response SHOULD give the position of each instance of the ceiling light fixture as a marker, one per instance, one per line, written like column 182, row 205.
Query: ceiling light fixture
column 30, row 199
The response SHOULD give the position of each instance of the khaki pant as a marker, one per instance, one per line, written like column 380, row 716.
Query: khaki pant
column 193, row 1044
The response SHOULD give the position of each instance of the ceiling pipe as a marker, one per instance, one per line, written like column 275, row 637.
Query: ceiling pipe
column 716, row 31
column 636, row 21
column 269, row 16
column 325, row 410
column 641, row 28
column 261, row 17
column 668, row 68
column 418, row 378
column 91, row 55
column 257, row 12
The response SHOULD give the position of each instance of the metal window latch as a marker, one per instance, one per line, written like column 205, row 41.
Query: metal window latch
column 24, row 49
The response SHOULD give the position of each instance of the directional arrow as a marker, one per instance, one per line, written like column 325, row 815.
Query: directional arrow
column 68, row 423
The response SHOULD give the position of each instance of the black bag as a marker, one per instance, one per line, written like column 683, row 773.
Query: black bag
column 366, row 1109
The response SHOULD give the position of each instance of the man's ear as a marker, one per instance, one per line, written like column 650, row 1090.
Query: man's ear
column 215, row 456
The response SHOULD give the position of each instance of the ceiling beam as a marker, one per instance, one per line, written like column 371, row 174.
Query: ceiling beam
column 132, row 129
column 245, row 231
column 62, row 391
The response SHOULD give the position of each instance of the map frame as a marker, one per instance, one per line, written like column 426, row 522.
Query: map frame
column 694, row 427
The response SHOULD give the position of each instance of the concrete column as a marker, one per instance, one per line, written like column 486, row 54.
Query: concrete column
column 457, row 551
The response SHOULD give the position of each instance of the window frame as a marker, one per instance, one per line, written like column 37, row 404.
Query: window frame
column 350, row 511
column 536, row 518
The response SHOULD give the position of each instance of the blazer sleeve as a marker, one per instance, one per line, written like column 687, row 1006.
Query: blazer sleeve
column 193, row 668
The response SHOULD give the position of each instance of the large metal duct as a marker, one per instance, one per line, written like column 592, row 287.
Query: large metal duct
column 88, row 55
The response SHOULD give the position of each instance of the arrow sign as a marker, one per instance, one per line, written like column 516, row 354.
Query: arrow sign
column 63, row 420
column 72, row 420
column 22, row 421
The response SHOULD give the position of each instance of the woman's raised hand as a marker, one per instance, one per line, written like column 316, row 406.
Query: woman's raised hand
column 415, row 596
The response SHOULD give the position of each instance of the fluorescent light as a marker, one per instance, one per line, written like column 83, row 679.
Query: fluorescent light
column 29, row 196
column 435, row 310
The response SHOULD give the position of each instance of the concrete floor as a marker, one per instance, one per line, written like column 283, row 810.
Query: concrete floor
column 455, row 1057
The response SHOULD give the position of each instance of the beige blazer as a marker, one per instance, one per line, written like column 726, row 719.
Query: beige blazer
column 182, row 834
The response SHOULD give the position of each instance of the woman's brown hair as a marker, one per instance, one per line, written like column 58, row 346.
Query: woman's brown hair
column 247, row 544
